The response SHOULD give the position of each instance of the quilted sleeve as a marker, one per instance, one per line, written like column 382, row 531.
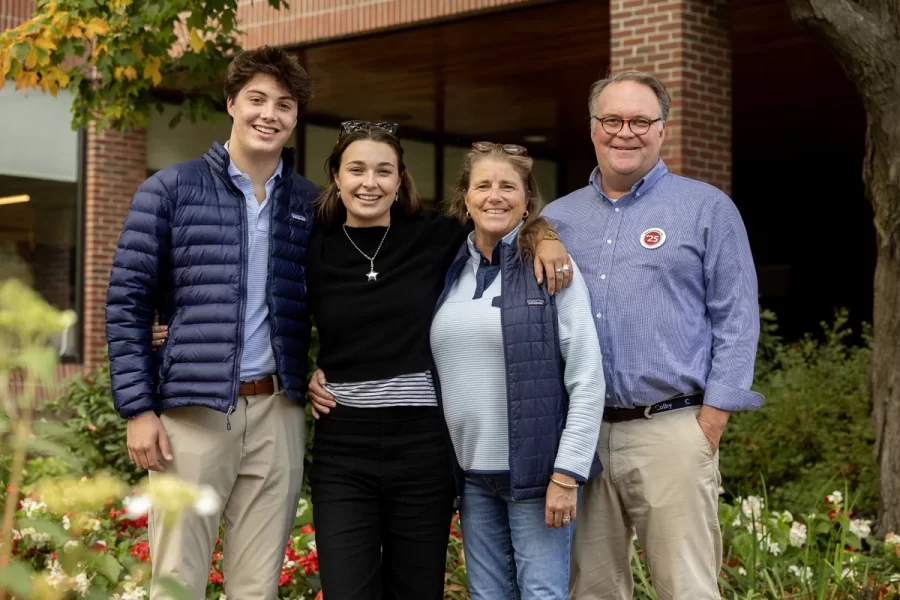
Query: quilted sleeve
column 133, row 292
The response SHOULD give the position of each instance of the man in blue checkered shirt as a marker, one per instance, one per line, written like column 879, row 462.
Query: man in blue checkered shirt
column 674, row 295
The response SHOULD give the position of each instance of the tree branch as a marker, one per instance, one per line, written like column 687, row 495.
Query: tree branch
column 865, row 43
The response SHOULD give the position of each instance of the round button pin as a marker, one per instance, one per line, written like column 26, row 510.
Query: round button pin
column 653, row 238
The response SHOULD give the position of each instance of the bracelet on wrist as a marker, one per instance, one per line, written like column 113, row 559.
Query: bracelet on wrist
column 568, row 486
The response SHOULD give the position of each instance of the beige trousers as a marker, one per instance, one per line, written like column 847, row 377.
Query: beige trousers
column 257, row 470
column 660, row 481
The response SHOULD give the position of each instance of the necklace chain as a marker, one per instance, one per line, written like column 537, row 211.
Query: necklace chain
column 372, row 275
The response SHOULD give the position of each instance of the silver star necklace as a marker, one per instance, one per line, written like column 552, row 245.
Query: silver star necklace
column 372, row 275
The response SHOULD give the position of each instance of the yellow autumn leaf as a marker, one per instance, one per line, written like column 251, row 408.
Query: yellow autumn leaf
column 31, row 59
column 98, row 49
column 138, row 51
column 96, row 27
column 26, row 79
column 74, row 31
column 118, row 72
column 60, row 76
column 45, row 42
column 197, row 43
column 151, row 71
column 130, row 73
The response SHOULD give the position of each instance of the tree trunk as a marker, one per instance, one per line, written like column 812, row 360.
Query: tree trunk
column 864, row 35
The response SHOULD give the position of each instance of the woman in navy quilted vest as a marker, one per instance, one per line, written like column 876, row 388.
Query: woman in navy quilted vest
column 522, row 386
column 382, row 486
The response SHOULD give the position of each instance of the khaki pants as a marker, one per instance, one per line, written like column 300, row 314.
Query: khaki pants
column 662, row 482
column 257, row 470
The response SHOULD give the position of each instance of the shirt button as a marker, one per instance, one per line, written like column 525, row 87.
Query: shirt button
column 638, row 194
column 607, row 396
column 599, row 315
column 617, row 210
column 609, row 241
column 603, row 276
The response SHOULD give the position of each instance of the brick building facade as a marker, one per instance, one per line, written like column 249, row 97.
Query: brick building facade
column 687, row 43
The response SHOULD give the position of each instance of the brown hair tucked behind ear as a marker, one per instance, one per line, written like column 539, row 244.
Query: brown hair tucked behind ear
column 535, row 226
column 330, row 208
column 271, row 61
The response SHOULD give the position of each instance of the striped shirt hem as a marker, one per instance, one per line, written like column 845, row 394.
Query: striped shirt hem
column 414, row 389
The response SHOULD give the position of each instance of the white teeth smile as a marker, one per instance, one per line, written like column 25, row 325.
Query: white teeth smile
column 368, row 198
column 495, row 211
column 266, row 130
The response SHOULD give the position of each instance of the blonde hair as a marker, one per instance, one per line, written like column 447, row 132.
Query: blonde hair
column 534, row 225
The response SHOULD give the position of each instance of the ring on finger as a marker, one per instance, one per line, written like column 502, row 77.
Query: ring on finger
column 566, row 520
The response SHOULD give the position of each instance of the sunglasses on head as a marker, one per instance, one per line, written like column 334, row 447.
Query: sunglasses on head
column 512, row 149
column 348, row 127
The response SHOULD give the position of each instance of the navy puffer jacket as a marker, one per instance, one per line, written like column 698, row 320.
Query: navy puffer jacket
column 184, row 253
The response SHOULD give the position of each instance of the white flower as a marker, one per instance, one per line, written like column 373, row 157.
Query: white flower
column 742, row 571
column 16, row 534
column 892, row 539
column 222, row 597
column 834, row 497
column 93, row 525
column 311, row 546
column 131, row 591
column 81, row 584
column 798, row 534
column 861, row 527
column 137, row 506
column 56, row 577
column 38, row 538
column 737, row 521
column 774, row 548
column 70, row 544
column 32, row 508
column 721, row 490
column 302, row 507
column 803, row 574
column 786, row 516
column 208, row 503
column 752, row 507
column 66, row 523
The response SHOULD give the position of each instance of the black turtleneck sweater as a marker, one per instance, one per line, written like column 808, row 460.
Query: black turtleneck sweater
column 372, row 330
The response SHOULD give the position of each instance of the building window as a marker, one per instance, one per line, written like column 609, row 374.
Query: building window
column 39, row 200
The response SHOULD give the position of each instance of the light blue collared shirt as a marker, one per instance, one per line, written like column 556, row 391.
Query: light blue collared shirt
column 674, row 314
column 258, row 359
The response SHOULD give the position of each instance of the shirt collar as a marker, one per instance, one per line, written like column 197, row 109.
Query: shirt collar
column 508, row 239
column 237, row 174
column 644, row 183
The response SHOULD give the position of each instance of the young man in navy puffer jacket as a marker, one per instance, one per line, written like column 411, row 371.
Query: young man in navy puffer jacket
column 217, row 248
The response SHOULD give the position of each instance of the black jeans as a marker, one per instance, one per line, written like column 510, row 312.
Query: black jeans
column 382, row 493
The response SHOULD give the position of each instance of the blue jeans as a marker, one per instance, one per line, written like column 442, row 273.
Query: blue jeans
column 510, row 552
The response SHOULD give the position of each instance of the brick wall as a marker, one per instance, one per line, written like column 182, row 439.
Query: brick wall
column 116, row 166
column 687, row 44
column 315, row 20
column 14, row 12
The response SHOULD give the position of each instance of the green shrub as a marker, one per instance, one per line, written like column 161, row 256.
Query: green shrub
column 814, row 427
column 100, row 433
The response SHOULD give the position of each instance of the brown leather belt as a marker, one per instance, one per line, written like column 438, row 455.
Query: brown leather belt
column 258, row 387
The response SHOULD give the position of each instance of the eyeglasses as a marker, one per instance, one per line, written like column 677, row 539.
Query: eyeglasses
column 637, row 125
column 348, row 127
column 513, row 149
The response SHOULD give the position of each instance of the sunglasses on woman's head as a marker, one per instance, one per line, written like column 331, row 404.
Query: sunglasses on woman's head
column 348, row 127
column 512, row 149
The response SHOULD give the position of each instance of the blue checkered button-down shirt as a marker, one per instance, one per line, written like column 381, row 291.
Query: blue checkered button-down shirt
column 258, row 359
column 675, row 309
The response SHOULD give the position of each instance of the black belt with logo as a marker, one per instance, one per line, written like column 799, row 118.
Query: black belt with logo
column 617, row 415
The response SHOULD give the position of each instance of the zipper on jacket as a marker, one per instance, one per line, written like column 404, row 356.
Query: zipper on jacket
column 228, row 417
column 242, row 303
column 509, row 437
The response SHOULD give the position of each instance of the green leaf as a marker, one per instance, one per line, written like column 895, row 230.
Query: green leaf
column 20, row 50
column 16, row 578
column 56, row 532
column 106, row 565
column 173, row 588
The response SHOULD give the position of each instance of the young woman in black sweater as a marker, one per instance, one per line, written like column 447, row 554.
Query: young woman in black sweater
column 382, row 488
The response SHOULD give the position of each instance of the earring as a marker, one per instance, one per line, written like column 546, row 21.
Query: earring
column 397, row 197
column 468, row 216
column 339, row 194
column 525, row 216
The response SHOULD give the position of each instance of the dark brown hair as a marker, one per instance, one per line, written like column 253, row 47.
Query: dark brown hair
column 330, row 207
column 271, row 61
column 534, row 225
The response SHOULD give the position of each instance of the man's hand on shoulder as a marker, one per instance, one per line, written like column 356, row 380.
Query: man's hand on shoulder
column 148, row 443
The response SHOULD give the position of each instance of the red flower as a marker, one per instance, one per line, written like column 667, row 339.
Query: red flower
column 310, row 562
column 287, row 577
column 216, row 576
column 319, row 596
column 307, row 529
column 141, row 551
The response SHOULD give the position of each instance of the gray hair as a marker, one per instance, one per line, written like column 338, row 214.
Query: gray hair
column 662, row 95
